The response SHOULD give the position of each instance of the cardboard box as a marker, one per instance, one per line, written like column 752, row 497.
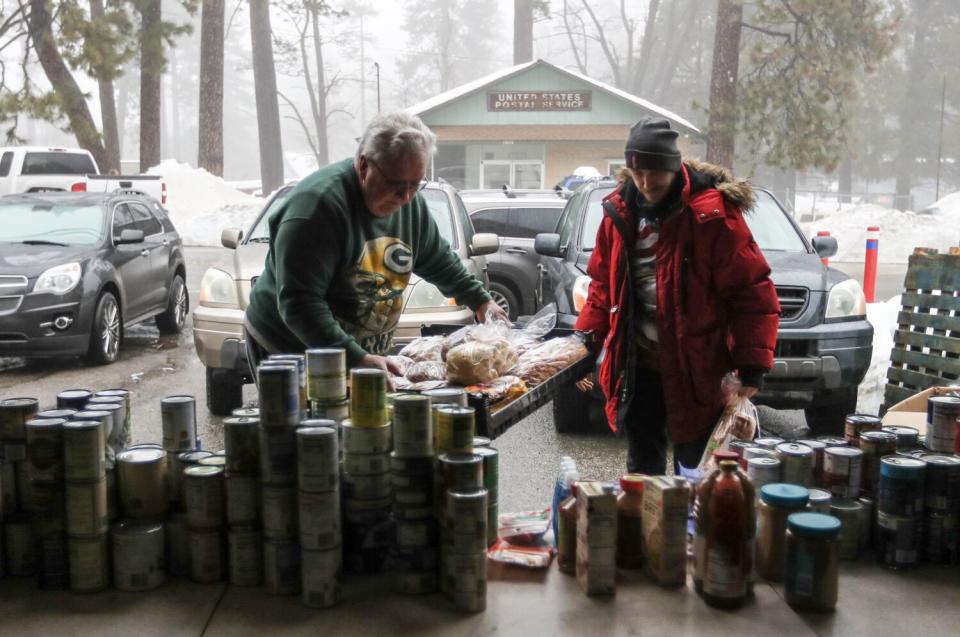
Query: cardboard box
column 912, row 412
column 596, row 538
column 666, row 502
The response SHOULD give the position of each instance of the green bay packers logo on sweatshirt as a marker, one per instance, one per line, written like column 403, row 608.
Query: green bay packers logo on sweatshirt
column 379, row 280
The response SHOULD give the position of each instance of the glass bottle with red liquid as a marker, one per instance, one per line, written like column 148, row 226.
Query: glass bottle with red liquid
column 703, row 491
column 730, row 531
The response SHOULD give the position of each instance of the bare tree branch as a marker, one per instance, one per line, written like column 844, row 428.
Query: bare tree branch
column 299, row 118
column 609, row 53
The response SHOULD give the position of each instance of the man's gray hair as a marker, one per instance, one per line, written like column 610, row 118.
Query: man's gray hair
column 390, row 136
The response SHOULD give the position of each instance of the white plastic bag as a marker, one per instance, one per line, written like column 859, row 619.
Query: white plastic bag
column 737, row 422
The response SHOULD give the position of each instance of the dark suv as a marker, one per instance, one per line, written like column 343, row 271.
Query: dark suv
column 76, row 268
column 824, row 342
column 517, row 216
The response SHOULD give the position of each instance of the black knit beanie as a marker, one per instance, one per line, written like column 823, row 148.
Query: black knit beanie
column 652, row 145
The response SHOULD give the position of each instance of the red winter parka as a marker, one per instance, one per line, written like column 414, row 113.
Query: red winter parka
column 717, row 309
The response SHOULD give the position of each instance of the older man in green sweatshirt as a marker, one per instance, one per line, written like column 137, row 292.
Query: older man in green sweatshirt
column 342, row 249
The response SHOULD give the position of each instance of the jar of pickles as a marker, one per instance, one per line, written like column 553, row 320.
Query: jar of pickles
column 777, row 502
column 811, row 571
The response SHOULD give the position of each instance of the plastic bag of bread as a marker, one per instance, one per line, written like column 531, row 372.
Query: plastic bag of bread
column 496, row 334
column 402, row 362
column 502, row 388
column 427, row 348
column 471, row 363
column 548, row 358
column 427, row 370
column 455, row 338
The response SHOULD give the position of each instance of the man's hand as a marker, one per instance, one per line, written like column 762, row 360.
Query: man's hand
column 748, row 392
column 380, row 362
column 492, row 310
column 585, row 384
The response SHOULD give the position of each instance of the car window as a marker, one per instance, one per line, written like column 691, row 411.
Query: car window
column 569, row 218
column 261, row 230
column 57, row 164
column 122, row 220
column 464, row 218
column 591, row 222
column 5, row 162
column 439, row 207
column 69, row 223
column 145, row 220
column 495, row 220
column 770, row 227
column 529, row 222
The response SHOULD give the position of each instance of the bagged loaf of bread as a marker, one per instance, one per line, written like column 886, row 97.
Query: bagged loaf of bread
column 548, row 358
column 427, row 370
column 427, row 348
column 472, row 362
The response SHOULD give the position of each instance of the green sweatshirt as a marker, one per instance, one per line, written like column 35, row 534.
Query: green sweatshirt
column 335, row 274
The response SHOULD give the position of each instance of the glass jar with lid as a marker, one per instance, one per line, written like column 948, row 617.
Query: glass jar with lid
column 567, row 533
column 811, row 574
column 777, row 502
column 629, row 521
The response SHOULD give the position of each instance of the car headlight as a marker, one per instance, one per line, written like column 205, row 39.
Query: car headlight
column 426, row 295
column 846, row 300
column 581, row 288
column 59, row 279
column 218, row 287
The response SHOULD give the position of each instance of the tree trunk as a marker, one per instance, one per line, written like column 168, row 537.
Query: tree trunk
column 265, row 87
column 916, row 70
column 73, row 103
column 722, row 123
column 648, row 35
column 151, row 75
column 108, row 110
column 522, row 31
column 210, row 152
column 323, row 156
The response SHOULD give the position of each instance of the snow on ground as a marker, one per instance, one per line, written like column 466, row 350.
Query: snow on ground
column 883, row 317
column 202, row 205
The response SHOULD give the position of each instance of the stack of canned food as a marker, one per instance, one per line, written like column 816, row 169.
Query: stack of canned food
column 327, row 384
column 367, row 493
column 18, row 556
column 42, row 473
column 318, row 479
column 138, row 539
column 241, row 439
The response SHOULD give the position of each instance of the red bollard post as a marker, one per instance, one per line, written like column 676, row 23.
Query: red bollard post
column 824, row 233
column 870, row 263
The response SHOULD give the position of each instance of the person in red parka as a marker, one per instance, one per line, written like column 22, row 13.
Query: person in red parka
column 680, row 295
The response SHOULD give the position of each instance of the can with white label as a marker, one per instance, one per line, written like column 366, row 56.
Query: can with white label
column 241, row 438
column 45, row 449
column 322, row 576
column 19, row 547
column 245, row 556
column 83, row 455
column 279, row 388
column 366, row 439
column 278, row 455
column 279, row 512
column 243, row 499
column 319, row 519
column 327, row 374
column 368, row 397
column 207, row 555
column 86, row 508
column 204, row 496
column 178, row 545
column 281, row 567
column 366, row 464
column 412, row 426
column 89, row 563
column 368, row 487
column 14, row 414
column 139, row 559
column 178, row 463
column 796, row 463
column 317, row 463
column 842, row 470
column 142, row 477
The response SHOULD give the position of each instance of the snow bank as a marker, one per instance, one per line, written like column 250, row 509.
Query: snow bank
column 201, row 205
column 883, row 317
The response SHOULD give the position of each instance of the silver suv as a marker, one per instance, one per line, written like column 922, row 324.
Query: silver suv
column 224, row 294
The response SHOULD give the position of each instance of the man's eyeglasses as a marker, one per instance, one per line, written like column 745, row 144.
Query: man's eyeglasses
column 398, row 186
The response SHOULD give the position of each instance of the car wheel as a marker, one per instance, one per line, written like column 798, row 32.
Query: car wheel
column 224, row 391
column 106, row 332
column 173, row 318
column 571, row 411
column 506, row 299
column 826, row 417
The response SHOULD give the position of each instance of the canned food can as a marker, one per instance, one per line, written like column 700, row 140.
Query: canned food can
column 819, row 502
column 52, row 413
column 491, row 471
column 281, row 567
column 493, row 523
column 856, row 424
column 44, row 497
column 245, row 556
column 24, row 487
column 113, row 504
column 366, row 512
column 412, row 466
column 279, row 512
column 416, row 583
column 369, row 487
column 763, row 470
column 13, row 451
column 322, row 577
column 122, row 436
column 213, row 460
column 367, row 547
column 758, row 452
column 833, row 441
column 179, row 463
column 466, row 512
column 204, row 496
column 875, row 445
column 89, row 563
column 412, row 559
column 112, row 431
column 139, row 562
column 412, row 482
column 241, row 438
column 368, row 397
column 178, row 545
column 366, row 464
column 796, row 463
column 301, row 363
column 336, row 411
column 850, row 513
column 900, row 492
column 907, row 437
column 73, row 398
column 143, row 483
column 86, row 508
column 317, row 459
column 482, row 441
column 416, row 533
column 8, row 488
column 868, row 517
column 412, row 426
column 246, row 412
column 327, row 374
column 842, row 470
column 818, row 449
column 942, row 423
column 54, row 562
column 279, row 387
column 14, row 414
column 412, row 496
column 243, row 499
column 898, row 539
column 366, row 439
column 461, row 471
column 769, row 443
column 320, row 520
column 465, row 543
column 456, row 428
column 45, row 449
column 941, row 538
column 83, row 444
column 278, row 455
column 411, row 513
column 942, row 483
column 19, row 547
column 178, row 415
column 206, row 555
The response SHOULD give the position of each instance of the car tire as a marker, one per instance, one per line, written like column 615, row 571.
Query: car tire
column 224, row 391
column 173, row 318
column 827, row 416
column 106, row 331
column 506, row 299
column 571, row 411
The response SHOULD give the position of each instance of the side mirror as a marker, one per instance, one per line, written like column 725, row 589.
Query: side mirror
column 484, row 243
column 130, row 235
column 230, row 237
column 548, row 244
column 826, row 247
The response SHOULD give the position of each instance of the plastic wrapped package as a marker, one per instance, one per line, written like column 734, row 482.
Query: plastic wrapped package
column 502, row 388
column 525, row 556
column 459, row 337
column 473, row 362
column 427, row 370
column 399, row 383
column 403, row 362
column 527, row 528
column 549, row 358
column 427, row 385
column 737, row 422
column 427, row 348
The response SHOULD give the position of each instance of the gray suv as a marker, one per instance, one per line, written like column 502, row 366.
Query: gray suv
column 517, row 216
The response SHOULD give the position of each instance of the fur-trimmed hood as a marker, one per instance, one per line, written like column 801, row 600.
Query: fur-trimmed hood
column 737, row 192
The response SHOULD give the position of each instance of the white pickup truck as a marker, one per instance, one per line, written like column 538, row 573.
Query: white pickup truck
column 39, row 168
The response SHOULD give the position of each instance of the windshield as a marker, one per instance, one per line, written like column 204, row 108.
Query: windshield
column 439, row 207
column 261, row 231
column 769, row 224
column 70, row 224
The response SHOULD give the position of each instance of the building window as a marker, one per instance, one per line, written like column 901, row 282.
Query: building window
column 513, row 173
column 450, row 164
column 614, row 166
